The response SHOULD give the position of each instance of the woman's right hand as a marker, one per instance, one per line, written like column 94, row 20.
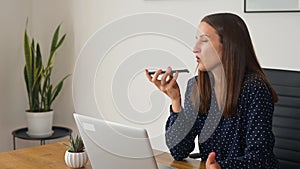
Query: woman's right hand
column 168, row 85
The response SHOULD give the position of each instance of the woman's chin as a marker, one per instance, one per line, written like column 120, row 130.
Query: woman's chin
column 201, row 68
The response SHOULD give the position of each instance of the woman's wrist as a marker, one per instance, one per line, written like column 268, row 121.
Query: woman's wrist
column 176, row 105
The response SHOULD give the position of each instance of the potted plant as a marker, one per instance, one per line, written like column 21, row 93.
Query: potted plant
column 40, row 90
column 75, row 155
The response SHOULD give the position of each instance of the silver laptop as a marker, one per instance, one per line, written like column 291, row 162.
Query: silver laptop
column 113, row 145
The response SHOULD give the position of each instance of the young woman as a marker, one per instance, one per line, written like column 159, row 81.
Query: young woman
column 229, row 105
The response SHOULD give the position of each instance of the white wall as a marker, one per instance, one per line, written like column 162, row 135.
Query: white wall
column 13, row 15
column 43, row 17
column 275, row 37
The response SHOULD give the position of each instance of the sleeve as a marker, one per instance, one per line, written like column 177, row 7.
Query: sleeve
column 259, row 137
column 180, row 128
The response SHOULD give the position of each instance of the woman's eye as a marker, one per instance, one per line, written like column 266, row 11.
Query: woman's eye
column 201, row 39
column 204, row 40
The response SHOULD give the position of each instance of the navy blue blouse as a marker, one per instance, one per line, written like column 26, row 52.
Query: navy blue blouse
column 244, row 141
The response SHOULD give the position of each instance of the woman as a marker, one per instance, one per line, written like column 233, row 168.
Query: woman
column 229, row 105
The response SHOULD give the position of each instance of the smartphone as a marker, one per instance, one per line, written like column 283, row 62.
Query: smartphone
column 172, row 72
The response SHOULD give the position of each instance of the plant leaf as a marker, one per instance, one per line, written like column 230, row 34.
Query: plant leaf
column 37, row 76
column 58, row 88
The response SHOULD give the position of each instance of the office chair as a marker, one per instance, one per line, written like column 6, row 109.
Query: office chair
column 286, row 117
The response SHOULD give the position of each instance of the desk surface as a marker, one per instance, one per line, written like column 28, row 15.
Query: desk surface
column 52, row 156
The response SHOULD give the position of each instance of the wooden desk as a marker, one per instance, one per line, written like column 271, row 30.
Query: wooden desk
column 167, row 159
column 51, row 156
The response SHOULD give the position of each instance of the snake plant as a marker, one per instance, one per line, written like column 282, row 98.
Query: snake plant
column 40, row 90
column 75, row 145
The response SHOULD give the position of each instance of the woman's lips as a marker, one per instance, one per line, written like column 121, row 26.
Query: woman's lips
column 198, row 59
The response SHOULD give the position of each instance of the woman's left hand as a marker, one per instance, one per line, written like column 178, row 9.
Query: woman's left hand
column 211, row 162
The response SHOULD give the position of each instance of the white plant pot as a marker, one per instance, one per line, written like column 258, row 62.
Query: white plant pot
column 39, row 124
column 76, row 160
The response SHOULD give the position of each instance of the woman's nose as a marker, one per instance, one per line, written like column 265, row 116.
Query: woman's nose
column 196, row 48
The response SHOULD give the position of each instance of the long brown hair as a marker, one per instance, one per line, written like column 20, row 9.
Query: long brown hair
column 238, row 59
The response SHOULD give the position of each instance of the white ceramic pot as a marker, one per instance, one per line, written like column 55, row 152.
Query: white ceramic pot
column 76, row 160
column 39, row 124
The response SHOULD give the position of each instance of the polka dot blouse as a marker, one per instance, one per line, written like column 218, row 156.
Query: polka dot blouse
column 244, row 141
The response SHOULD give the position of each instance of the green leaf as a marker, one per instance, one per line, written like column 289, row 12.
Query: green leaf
column 75, row 145
column 27, row 88
column 60, row 42
column 53, row 45
column 28, row 58
column 58, row 88
column 54, row 40
column 37, row 76
column 48, row 100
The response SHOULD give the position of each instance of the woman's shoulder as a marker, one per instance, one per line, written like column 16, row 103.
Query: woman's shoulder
column 254, row 84
column 253, row 81
column 193, row 80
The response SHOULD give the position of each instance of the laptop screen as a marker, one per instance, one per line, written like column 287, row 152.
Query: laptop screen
column 113, row 145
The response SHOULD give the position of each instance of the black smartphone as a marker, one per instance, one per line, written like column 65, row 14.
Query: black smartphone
column 172, row 72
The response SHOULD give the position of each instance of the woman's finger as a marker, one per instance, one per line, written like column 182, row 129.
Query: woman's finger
column 153, row 78
column 156, row 74
column 164, row 77
column 149, row 77
column 173, row 80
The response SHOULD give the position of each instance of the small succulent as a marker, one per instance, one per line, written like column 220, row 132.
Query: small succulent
column 75, row 145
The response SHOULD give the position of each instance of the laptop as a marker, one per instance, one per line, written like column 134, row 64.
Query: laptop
column 117, row 146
